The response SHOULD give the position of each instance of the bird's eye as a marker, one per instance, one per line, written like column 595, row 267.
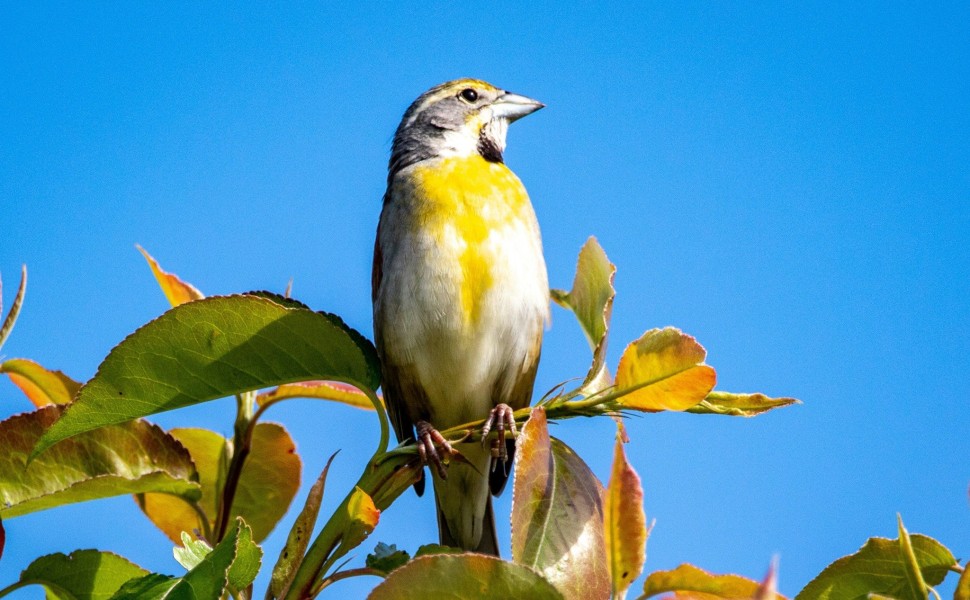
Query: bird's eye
column 468, row 95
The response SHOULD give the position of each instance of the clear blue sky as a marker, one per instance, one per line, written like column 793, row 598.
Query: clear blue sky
column 788, row 184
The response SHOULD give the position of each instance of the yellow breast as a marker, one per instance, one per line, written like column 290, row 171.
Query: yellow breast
column 463, row 201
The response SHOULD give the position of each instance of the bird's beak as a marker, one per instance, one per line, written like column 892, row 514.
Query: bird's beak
column 511, row 106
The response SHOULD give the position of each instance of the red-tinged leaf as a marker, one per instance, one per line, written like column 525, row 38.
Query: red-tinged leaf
column 463, row 577
column 557, row 514
column 267, row 484
column 664, row 370
column 591, row 300
column 687, row 581
column 131, row 458
column 176, row 290
column 625, row 524
column 291, row 556
column 768, row 590
column 18, row 300
column 739, row 405
column 40, row 385
column 324, row 390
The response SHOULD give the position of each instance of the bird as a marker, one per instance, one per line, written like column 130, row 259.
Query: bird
column 460, row 296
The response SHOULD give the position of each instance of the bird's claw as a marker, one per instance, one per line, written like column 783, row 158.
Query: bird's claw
column 428, row 441
column 501, row 418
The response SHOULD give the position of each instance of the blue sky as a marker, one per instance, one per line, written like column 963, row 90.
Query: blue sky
column 787, row 183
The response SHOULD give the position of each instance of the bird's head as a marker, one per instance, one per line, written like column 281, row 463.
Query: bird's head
column 458, row 118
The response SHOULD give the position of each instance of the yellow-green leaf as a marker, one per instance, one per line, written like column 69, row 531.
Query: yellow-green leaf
column 557, row 514
column 688, row 581
column 664, row 370
column 914, row 577
column 324, row 390
column 963, row 585
column 362, row 517
column 463, row 577
column 41, row 386
column 880, row 568
column 131, row 458
column 591, row 300
column 176, row 290
column 739, row 405
column 625, row 524
column 173, row 515
column 267, row 484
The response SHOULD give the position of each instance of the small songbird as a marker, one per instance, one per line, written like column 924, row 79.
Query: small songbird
column 460, row 292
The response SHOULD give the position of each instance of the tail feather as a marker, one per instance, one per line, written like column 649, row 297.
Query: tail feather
column 489, row 542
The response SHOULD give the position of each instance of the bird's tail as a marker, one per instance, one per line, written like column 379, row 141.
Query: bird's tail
column 489, row 542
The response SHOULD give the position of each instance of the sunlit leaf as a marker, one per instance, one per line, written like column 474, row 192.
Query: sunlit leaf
column 557, row 514
column 123, row 459
column 299, row 538
column 385, row 558
column 191, row 552
column 267, row 484
column 768, row 588
column 591, row 300
column 914, row 577
column 40, row 385
column 625, row 524
column 248, row 559
column 361, row 518
column 209, row 579
column 172, row 514
column 176, row 290
column 324, row 390
column 213, row 348
column 463, row 577
column 687, row 581
column 880, row 568
column 82, row 575
column 150, row 587
column 665, row 371
column 963, row 585
column 7, row 325
column 739, row 405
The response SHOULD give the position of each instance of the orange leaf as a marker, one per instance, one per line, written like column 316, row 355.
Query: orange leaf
column 688, row 581
column 663, row 370
column 176, row 290
column 325, row 390
column 625, row 523
column 42, row 386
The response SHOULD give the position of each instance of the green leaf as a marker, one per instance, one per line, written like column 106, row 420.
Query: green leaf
column 463, row 577
column 18, row 301
column 40, row 385
column 690, row 581
column 149, row 587
column 591, row 300
column 386, row 558
column 208, row 579
column 191, row 552
column 299, row 538
column 429, row 549
column 82, row 575
column 557, row 514
column 213, row 348
column 122, row 459
column 880, row 568
column 625, row 524
column 249, row 557
column 739, row 405
column 963, row 586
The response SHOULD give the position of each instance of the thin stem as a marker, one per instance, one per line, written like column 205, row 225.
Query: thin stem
column 13, row 587
column 334, row 578
column 18, row 301
column 241, row 441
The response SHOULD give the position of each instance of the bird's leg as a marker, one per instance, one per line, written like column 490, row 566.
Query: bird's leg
column 428, row 441
column 501, row 417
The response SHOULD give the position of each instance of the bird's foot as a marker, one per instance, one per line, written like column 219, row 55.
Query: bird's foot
column 428, row 441
column 501, row 418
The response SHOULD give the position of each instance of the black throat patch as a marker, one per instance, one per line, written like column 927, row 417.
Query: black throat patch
column 489, row 150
